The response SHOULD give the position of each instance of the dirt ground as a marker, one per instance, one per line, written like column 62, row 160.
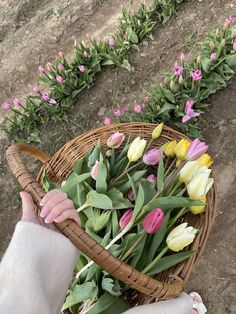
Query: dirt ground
column 215, row 275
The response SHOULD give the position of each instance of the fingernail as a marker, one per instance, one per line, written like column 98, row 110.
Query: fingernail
column 41, row 203
column 48, row 221
column 43, row 212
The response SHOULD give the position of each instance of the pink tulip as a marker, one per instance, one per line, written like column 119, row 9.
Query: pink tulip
column 196, row 149
column 152, row 157
column 125, row 218
column 41, row 70
column 95, row 170
column 213, row 56
column 37, row 90
column 115, row 140
column 189, row 112
column 181, row 79
column 60, row 67
column 183, row 57
column 6, row 106
column 52, row 101
column 60, row 79
column 17, row 102
column 45, row 96
column 117, row 112
column 152, row 178
column 137, row 108
column 61, row 54
column 82, row 68
column 146, row 99
column 130, row 195
column 106, row 121
column 153, row 221
column 234, row 45
column 111, row 41
column 196, row 75
column 125, row 109
column 49, row 67
column 178, row 70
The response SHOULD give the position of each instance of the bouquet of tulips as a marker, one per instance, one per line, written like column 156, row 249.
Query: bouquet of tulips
column 129, row 198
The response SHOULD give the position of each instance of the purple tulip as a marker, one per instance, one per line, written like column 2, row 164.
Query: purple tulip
column 41, row 70
column 137, row 108
column 189, row 112
column 17, row 102
column 106, row 121
column 61, row 54
column 49, row 67
column 37, row 90
column 115, row 140
column 82, row 68
column 125, row 218
column 152, row 178
column 196, row 75
column 152, row 157
column 60, row 79
column 52, row 101
column 130, row 195
column 178, row 70
column 196, row 149
column 213, row 56
column 125, row 109
column 117, row 112
column 95, row 170
column 153, row 221
column 111, row 41
column 60, row 67
column 45, row 97
column 6, row 106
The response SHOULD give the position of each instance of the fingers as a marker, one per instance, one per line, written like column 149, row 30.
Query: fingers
column 48, row 196
column 58, row 210
column 52, row 200
column 28, row 213
column 70, row 213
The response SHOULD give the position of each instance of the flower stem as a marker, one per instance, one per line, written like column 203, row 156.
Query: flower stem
column 139, row 239
column 170, row 167
column 180, row 214
column 81, row 208
column 159, row 256
column 178, row 185
column 127, row 169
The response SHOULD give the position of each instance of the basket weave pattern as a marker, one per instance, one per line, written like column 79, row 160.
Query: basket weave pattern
column 167, row 284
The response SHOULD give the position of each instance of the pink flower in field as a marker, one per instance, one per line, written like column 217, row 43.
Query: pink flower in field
column 146, row 99
column 117, row 112
column 45, row 97
column 152, row 178
column 177, row 70
column 41, row 70
column 6, row 106
column 234, row 45
column 196, row 75
column 125, row 109
column 189, row 112
column 17, row 102
column 49, row 67
column 183, row 57
column 213, row 56
column 52, row 101
column 106, row 121
column 153, row 221
column 60, row 67
column 37, row 90
column 95, row 170
column 111, row 41
column 125, row 218
column 229, row 21
column 60, row 79
column 137, row 108
column 61, row 54
column 82, row 68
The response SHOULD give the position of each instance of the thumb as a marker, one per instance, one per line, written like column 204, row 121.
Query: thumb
column 28, row 213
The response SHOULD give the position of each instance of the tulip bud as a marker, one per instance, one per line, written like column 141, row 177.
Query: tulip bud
column 137, row 108
column 60, row 79
column 111, row 41
column 45, row 96
column 146, row 99
column 60, row 67
column 177, row 164
column 125, row 218
column 86, row 54
column 180, row 237
column 49, row 67
column 153, row 221
column 213, row 56
column 157, row 131
column 217, row 32
column 169, row 149
column 199, row 186
column 117, row 112
column 115, row 140
column 61, row 54
column 106, row 121
column 199, row 209
column 223, row 42
column 234, row 45
column 172, row 85
column 41, row 70
column 196, row 149
column 189, row 170
column 95, row 170
column 6, row 106
column 152, row 178
column 52, row 101
column 152, row 157
column 205, row 160
column 82, row 68
column 130, row 195
column 17, row 102
column 136, row 149
column 181, row 79
column 109, row 153
column 183, row 57
column 125, row 109
column 199, row 59
column 232, row 35
column 37, row 90
column 181, row 149
column 212, row 44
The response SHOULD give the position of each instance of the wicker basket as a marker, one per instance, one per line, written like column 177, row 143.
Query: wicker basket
column 167, row 284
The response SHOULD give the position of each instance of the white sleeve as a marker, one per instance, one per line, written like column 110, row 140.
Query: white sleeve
column 35, row 271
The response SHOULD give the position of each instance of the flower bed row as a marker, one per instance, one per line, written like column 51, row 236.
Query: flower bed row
column 66, row 80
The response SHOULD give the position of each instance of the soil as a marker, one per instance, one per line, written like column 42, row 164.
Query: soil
column 214, row 276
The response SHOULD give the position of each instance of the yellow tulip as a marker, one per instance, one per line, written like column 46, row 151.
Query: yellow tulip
column 205, row 160
column 157, row 131
column 136, row 149
column 200, row 185
column 181, row 149
column 190, row 170
column 178, row 161
column 180, row 237
column 199, row 209
column 169, row 149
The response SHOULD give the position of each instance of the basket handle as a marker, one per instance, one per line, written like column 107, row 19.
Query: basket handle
column 81, row 239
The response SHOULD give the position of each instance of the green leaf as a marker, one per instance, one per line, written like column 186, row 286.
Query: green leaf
column 231, row 61
column 108, row 62
column 166, row 107
column 102, row 201
column 118, row 200
column 94, row 155
column 149, row 191
column 101, row 183
column 77, row 167
column 160, row 175
column 115, row 223
column 139, row 203
column 124, row 188
column 206, row 63
column 132, row 36
column 169, row 96
column 111, row 285
column 169, row 261
column 87, row 290
column 133, row 186
column 70, row 185
column 97, row 223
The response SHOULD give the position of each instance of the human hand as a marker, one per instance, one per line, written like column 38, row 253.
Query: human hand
column 55, row 207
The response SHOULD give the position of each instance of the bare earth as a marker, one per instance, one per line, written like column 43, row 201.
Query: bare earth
column 215, row 275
